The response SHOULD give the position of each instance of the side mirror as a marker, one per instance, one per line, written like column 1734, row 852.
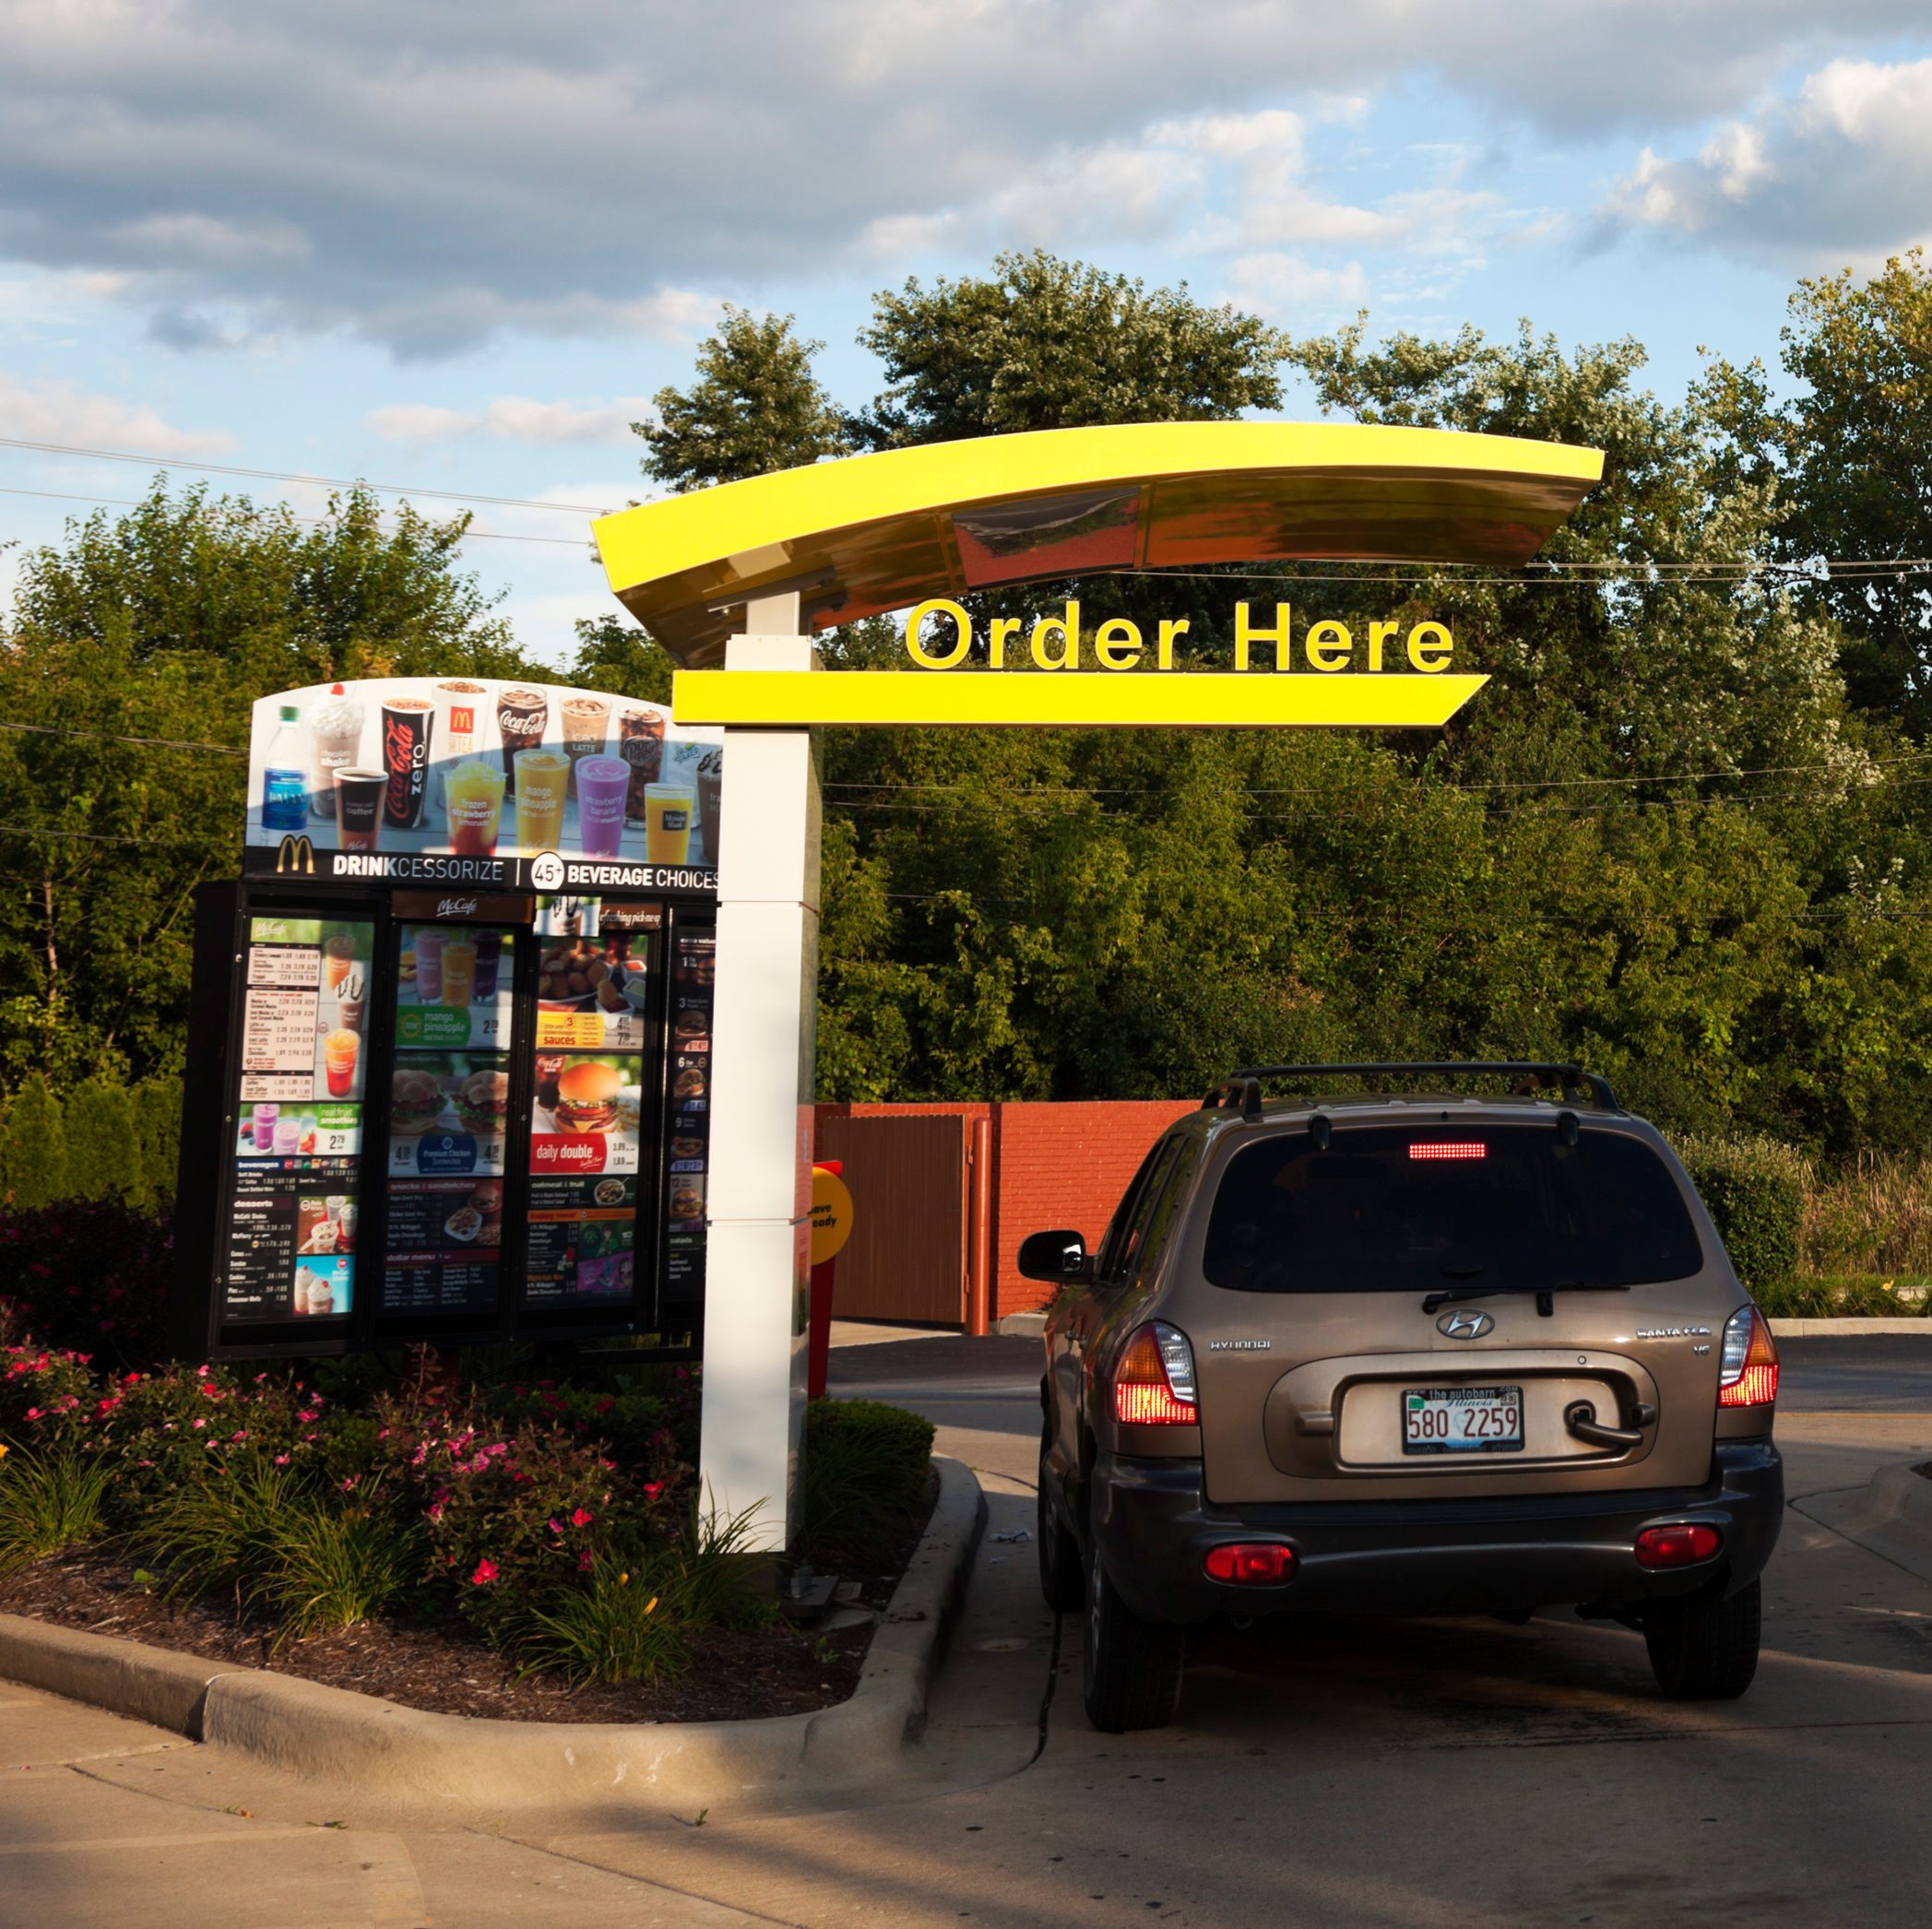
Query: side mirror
column 1055, row 1257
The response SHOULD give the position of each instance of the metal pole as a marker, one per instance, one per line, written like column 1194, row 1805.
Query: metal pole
column 979, row 1273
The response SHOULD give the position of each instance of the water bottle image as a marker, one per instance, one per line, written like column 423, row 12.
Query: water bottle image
column 285, row 791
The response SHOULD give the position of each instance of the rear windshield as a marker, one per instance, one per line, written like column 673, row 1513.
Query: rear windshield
column 1388, row 1208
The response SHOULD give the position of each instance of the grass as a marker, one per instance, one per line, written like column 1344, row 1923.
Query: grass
column 623, row 1625
column 48, row 1505
column 1874, row 1219
column 1842, row 1296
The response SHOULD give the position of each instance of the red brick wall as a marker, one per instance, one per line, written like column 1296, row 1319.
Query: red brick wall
column 1054, row 1165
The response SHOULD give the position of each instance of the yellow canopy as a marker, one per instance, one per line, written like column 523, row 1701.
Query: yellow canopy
column 872, row 532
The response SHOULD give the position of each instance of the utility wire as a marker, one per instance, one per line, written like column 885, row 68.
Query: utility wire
column 314, row 522
column 163, row 743
column 276, row 475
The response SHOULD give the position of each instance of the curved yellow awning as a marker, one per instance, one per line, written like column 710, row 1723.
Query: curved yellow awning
column 872, row 532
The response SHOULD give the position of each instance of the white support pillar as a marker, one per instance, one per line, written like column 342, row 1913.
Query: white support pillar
column 757, row 1275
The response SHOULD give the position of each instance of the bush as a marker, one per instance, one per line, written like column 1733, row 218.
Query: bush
column 1755, row 1190
column 48, row 1504
column 33, row 1148
column 864, row 1482
column 92, row 1274
column 618, row 1624
column 1832, row 1297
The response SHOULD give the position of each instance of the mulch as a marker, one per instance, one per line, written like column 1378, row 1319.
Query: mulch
column 441, row 1666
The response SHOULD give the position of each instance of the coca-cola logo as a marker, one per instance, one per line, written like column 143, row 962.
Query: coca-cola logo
column 521, row 723
column 403, row 745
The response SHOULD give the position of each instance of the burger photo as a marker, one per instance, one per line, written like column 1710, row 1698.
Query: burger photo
column 415, row 1101
column 586, row 1098
column 483, row 1101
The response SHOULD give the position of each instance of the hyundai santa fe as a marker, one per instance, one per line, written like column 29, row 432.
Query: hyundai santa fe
column 1406, row 1354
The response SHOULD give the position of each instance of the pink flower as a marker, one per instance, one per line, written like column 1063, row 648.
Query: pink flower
column 199, row 1424
column 201, row 1373
column 582, row 1518
column 241, row 1435
column 308, row 1413
column 486, row 1571
column 652, row 1489
column 584, row 1562
column 281, row 1459
column 348, row 1486
column 33, row 1412
column 556, row 1526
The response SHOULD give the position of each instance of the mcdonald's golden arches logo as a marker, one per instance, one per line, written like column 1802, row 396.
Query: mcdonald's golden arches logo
column 296, row 857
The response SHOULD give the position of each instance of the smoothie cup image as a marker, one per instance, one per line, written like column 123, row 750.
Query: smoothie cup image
column 603, row 785
column 640, row 743
column 429, row 967
column 489, row 958
column 542, row 777
column 287, row 1137
column 265, row 1118
column 335, row 741
column 340, row 1049
column 587, row 726
column 459, row 971
column 475, row 790
column 346, row 1225
column 321, row 1294
column 668, row 811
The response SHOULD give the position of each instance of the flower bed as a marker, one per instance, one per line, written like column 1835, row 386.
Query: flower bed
column 424, row 1538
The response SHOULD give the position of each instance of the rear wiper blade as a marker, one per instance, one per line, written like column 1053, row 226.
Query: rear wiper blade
column 1449, row 1295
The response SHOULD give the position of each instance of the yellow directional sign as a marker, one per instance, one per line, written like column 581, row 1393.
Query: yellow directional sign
column 830, row 1215
column 1186, row 699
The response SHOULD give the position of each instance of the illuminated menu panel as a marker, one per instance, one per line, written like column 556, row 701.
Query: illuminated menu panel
column 299, row 1097
column 687, row 1135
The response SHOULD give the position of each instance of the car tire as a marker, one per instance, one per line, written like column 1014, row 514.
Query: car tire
column 1130, row 1673
column 1704, row 1650
column 1062, row 1582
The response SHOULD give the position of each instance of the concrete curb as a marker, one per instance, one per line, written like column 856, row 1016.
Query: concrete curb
column 1030, row 1326
column 419, row 1762
column 1850, row 1328
column 1891, row 1515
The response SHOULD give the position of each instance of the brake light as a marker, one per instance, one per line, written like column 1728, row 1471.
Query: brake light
column 1447, row 1149
column 1679, row 1547
column 1154, row 1384
column 1254, row 1563
column 1749, row 1374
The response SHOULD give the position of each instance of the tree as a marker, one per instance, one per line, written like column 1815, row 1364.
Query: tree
column 1851, row 456
column 1042, row 343
column 128, row 663
column 755, row 407
column 33, row 1148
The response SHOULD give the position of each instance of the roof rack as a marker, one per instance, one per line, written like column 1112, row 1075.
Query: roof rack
column 1244, row 1087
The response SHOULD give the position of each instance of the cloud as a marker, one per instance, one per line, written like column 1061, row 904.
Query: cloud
column 514, row 419
column 77, row 418
column 1840, row 174
column 430, row 177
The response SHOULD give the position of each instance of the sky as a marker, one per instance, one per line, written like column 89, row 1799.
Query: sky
column 459, row 247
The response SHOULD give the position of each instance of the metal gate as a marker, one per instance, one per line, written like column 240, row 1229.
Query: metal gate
column 907, row 1256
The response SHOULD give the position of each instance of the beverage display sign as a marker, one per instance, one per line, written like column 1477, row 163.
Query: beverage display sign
column 412, row 781
column 298, row 1112
column 687, row 1135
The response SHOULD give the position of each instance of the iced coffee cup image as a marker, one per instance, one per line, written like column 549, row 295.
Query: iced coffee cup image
column 475, row 792
column 668, row 811
column 542, row 778
column 587, row 728
column 710, row 787
column 603, row 786
column 359, row 806
column 640, row 743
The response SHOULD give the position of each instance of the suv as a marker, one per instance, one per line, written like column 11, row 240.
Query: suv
column 1404, row 1355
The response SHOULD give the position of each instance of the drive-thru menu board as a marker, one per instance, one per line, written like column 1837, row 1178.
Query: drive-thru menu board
column 449, row 1098
column 291, row 1233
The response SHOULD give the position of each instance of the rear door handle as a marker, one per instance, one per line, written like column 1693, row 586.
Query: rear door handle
column 1580, row 1417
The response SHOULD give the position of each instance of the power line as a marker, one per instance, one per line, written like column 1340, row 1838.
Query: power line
column 152, row 843
column 276, row 475
column 314, row 522
column 163, row 743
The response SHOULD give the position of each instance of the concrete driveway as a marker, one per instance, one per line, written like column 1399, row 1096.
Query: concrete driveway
column 1365, row 1773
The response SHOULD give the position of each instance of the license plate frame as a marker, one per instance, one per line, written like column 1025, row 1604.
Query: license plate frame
column 1458, row 1404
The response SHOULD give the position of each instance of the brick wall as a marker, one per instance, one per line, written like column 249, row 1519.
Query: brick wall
column 1054, row 1165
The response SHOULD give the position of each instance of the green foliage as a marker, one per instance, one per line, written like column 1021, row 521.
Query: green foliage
column 103, row 1144
column 755, row 405
column 222, row 1527
column 1859, row 1295
column 617, row 1625
column 1755, row 1190
column 33, row 1147
column 1872, row 1217
column 332, row 1567
column 1042, row 343
column 49, row 1503
column 863, row 1486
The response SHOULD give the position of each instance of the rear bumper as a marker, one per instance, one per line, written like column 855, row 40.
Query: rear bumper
column 1154, row 1527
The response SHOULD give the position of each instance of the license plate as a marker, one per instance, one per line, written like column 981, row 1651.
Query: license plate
column 1462, row 1420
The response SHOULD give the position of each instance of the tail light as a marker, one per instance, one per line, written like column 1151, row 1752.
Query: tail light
column 1254, row 1563
column 1154, row 1384
column 1748, row 1376
column 1681, row 1546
